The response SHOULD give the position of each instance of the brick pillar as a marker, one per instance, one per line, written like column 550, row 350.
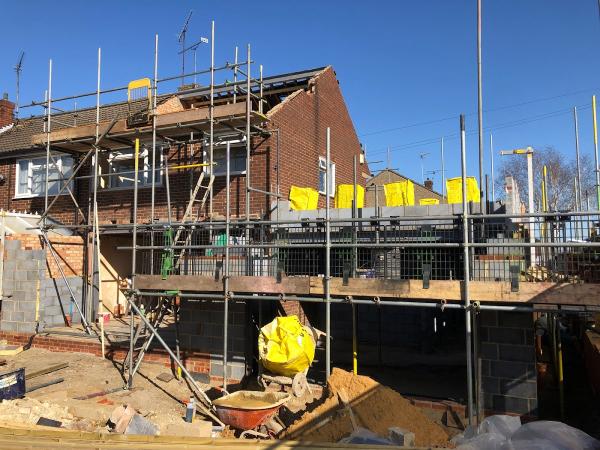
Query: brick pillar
column 509, row 383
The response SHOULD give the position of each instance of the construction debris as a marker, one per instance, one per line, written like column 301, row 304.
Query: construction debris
column 376, row 408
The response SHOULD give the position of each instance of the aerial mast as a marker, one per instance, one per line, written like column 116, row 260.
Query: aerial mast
column 181, row 40
column 18, row 69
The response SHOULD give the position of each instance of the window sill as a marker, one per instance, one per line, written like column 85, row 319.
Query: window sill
column 243, row 172
column 32, row 196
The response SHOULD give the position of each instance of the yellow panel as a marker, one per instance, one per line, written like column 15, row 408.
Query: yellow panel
column 344, row 196
column 400, row 193
column 137, row 84
column 429, row 201
column 454, row 190
column 303, row 199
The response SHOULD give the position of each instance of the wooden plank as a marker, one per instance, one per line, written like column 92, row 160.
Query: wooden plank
column 483, row 291
column 195, row 115
column 79, row 132
column 240, row 284
column 449, row 290
column 38, row 373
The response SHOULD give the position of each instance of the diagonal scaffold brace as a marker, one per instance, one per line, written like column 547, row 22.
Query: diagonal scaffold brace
column 206, row 406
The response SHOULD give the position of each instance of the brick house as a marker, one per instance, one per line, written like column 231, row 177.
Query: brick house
column 376, row 183
column 297, row 109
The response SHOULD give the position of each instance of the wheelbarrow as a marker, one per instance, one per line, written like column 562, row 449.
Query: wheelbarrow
column 249, row 410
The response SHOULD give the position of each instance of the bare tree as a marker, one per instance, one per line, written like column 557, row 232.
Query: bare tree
column 562, row 171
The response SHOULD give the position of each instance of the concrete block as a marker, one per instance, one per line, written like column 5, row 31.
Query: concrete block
column 39, row 254
column 8, row 286
column 23, row 255
column 20, row 275
column 490, row 385
column 26, row 306
column 507, row 335
column 488, row 318
column 517, row 388
column 6, row 325
column 515, row 319
column 8, row 305
column 27, row 286
column 489, row 350
column 12, row 245
column 52, row 310
column 27, row 264
column 510, row 404
column 523, row 353
column 9, row 266
column 17, row 316
column 25, row 327
column 401, row 437
column 512, row 370
column 28, row 316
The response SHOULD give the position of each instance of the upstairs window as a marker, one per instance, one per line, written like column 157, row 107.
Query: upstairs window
column 121, row 165
column 323, row 174
column 237, row 158
column 31, row 175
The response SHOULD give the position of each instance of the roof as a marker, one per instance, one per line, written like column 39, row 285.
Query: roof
column 372, row 181
column 18, row 138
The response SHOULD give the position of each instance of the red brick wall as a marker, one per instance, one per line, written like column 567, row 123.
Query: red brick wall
column 6, row 112
column 302, row 120
column 69, row 250
column 194, row 362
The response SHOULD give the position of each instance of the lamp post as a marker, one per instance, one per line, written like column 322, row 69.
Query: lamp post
column 528, row 152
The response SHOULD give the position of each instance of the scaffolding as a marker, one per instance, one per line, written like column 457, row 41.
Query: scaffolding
column 333, row 249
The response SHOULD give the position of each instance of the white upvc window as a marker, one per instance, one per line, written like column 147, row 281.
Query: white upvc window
column 31, row 175
column 121, row 166
column 237, row 158
column 322, row 176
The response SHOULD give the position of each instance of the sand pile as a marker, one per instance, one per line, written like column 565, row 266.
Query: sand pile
column 375, row 407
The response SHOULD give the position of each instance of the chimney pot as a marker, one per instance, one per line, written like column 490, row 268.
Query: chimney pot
column 5, row 96
column 429, row 184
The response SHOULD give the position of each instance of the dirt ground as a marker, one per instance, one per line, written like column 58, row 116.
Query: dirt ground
column 159, row 402
column 376, row 408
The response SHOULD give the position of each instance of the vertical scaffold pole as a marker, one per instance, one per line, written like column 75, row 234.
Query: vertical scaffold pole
column 327, row 256
column 467, row 302
column 212, row 116
column 480, row 102
column 248, row 147
column 96, row 230
column 153, row 188
column 577, row 161
column 235, row 67
column 597, row 167
column 226, row 266
column 48, row 129
column 133, row 258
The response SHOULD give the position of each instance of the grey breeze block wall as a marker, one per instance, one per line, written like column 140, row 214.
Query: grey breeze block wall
column 509, row 382
column 25, row 277
column 201, row 330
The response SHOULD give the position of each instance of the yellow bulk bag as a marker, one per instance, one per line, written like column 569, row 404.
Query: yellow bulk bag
column 454, row 190
column 344, row 196
column 285, row 347
column 429, row 201
column 400, row 193
column 302, row 199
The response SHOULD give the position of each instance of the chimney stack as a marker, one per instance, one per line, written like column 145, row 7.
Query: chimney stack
column 7, row 110
column 429, row 184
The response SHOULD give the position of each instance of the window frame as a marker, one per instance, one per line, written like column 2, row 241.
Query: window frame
column 145, row 156
column 235, row 144
column 59, row 167
column 322, row 168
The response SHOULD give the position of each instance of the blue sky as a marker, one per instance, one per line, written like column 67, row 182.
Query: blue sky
column 399, row 62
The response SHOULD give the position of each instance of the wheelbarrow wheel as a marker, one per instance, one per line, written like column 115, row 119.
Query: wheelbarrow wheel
column 299, row 384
